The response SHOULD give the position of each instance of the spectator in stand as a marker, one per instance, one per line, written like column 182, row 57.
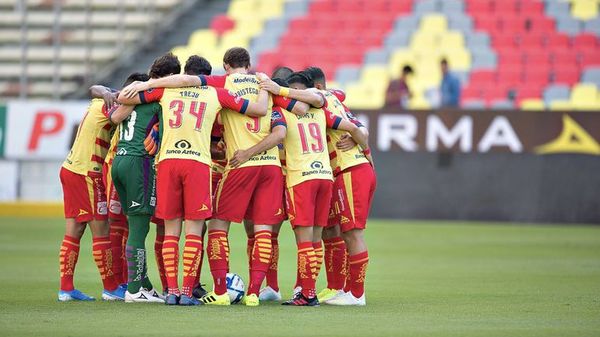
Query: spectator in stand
column 398, row 92
column 450, row 87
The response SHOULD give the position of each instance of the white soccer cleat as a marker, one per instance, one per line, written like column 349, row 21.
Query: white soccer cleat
column 142, row 296
column 269, row 294
column 297, row 290
column 347, row 299
column 156, row 294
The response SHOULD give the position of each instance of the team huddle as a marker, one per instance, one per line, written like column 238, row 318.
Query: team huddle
column 195, row 152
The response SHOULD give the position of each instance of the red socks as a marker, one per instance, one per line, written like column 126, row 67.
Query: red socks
column 272, row 272
column 192, row 254
column 307, row 264
column 318, row 248
column 335, row 262
column 116, row 243
column 358, row 271
column 170, row 255
column 347, row 271
column 69, row 252
column 101, row 249
column 249, row 248
column 217, row 251
column 158, row 246
column 261, row 260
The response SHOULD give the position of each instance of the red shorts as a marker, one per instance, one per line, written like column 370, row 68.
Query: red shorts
column 308, row 203
column 157, row 221
column 252, row 193
column 216, row 178
column 183, row 190
column 84, row 196
column 353, row 191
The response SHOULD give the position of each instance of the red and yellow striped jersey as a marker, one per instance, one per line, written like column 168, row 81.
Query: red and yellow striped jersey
column 92, row 141
column 243, row 132
column 305, row 144
column 112, row 151
column 188, row 115
column 341, row 160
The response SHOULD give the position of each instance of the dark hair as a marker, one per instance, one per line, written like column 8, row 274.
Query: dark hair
column 316, row 74
column 281, row 81
column 165, row 65
column 301, row 77
column 136, row 77
column 407, row 69
column 197, row 65
column 282, row 72
column 444, row 62
column 237, row 57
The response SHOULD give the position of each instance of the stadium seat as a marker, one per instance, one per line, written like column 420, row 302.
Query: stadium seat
column 532, row 104
column 584, row 9
column 584, row 96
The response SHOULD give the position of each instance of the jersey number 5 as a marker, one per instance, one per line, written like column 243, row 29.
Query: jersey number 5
column 315, row 133
column 197, row 109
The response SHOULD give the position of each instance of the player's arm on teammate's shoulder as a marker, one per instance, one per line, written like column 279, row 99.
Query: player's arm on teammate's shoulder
column 229, row 100
column 357, row 131
column 117, row 113
column 173, row 81
column 294, row 106
column 307, row 96
column 277, row 135
column 107, row 94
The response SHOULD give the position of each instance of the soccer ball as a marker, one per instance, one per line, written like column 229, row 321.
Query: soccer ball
column 235, row 287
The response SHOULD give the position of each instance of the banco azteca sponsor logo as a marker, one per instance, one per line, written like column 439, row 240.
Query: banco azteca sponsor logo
column 183, row 144
column 316, row 165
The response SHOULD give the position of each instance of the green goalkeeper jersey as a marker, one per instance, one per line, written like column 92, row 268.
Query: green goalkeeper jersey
column 134, row 130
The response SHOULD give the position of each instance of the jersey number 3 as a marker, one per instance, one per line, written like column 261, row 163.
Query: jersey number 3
column 197, row 109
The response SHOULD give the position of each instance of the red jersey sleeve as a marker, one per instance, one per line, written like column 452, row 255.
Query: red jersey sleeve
column 353, row 118
column 277, row 118
column 108, row 112
column 230, row 101
column 331, row 119
column 340, row 94
column 284, row 102
column 151, row 95
column 216, row 133
column 213, row 80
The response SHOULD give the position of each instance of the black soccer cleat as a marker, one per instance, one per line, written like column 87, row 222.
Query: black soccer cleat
column 302, row 301
column 199, row 291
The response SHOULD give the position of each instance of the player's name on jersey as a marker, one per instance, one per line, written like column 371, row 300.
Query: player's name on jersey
column 190, row 94
column 246, row 91
column 310, row 115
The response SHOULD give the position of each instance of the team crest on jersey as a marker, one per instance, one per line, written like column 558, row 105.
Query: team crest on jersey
column 121, row 152
column 115, row 207
column 102, row 208
column 316, row 165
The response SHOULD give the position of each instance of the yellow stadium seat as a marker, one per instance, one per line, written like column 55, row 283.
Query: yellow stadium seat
column 234, row 38
column 360, row 96
column 241, row 8
column 375, row 73
column 424, row 40
column 560, row 105
column 182, row 53
column 203, row 38
column 584, row 96
column 584, row 9
column 433, row 23
column 249, row 26
column 532, row 104
column 399, row 59
column 269, row 9
column 459, row 59
column 418, row 102
column 452, row 40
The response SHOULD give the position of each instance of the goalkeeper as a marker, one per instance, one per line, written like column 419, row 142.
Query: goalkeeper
column 133, row 175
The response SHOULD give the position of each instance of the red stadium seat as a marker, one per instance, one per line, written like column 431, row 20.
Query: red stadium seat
column 564, row 57
column 558, row 40
column 482, row 77
column 541, row 24
column 480, row 6
column 505, row 6
column 471, row 92
column 531, row 40
column 509, row 77
column 589, row 59
column 504, row 41
column 565, row 74
column 585, row 41
column 221, row 23
column 531, row 7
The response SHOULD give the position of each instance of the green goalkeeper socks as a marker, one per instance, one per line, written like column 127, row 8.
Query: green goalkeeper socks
column 136, row 252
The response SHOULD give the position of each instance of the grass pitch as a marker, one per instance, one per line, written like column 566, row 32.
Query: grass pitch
column 425, row 279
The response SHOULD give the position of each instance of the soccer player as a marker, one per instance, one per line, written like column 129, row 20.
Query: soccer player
column 353, row 189
column 245, row 192
column 309, row 179
column 85, row 203
column 133, row 176
column 183, row 174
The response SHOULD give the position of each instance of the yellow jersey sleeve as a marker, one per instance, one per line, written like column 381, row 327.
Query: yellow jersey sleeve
column 92, row 141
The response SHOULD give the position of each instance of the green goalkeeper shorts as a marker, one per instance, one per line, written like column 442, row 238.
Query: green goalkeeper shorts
column 134, row 180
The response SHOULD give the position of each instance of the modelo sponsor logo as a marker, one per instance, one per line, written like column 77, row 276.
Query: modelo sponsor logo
column 540, row 132
column 248, row 79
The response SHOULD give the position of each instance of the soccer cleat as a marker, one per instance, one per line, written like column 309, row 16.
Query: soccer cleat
column 124, row 286
column 199, row 291
column 302, row 301
column 156, row 294
column 297, row 290
column 213, row 299
column 73, row 295
column 269, row 294
column 348, row 299
column 142, row 296
column 186, row 300
column 327, row 294
column 114, row 295
column 172, row 299
column 251, row 300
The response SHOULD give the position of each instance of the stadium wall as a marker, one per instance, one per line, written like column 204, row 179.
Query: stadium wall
column 533, row 166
